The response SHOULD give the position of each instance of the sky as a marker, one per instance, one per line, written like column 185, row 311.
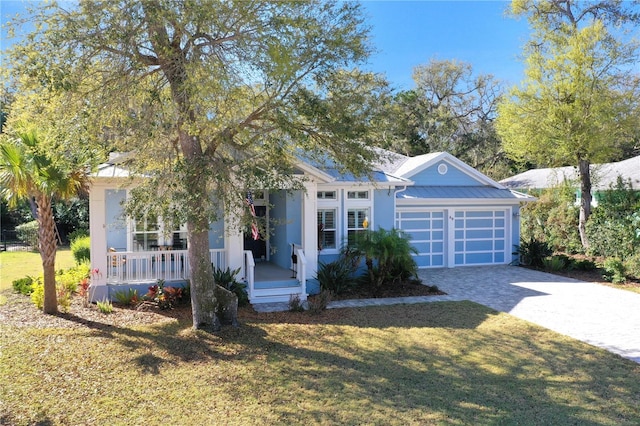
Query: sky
column 405, row 34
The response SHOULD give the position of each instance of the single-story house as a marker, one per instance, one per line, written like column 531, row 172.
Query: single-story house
column 455, row 216
column 603, row 177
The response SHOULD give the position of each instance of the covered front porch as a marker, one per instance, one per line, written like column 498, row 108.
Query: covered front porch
column 266, row 281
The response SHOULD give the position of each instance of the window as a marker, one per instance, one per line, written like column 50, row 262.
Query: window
column 358, row 195
column 145, row 233
column 327, row 229
column 357, row 223
column 150, row 233
column 326, row 195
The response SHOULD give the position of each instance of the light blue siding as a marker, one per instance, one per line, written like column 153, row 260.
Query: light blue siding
column 383, row 203
column 116, row 221
column 453, row 177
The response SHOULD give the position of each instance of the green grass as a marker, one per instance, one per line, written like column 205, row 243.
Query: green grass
column 19, row 264
column 439, row 363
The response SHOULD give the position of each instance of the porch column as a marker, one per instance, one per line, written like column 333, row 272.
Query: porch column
column 233, row 244
column 98, row 233
column 310, row 227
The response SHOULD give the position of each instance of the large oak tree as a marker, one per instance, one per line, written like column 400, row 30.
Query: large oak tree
column 212, row 98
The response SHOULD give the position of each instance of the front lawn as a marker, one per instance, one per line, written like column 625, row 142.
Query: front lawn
column 19, row 264
column 436, row 363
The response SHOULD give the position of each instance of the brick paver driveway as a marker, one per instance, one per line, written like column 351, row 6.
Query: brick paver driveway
column 595, row 314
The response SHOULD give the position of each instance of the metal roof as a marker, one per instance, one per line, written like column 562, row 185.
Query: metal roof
column 460, row 192
column 602, row 175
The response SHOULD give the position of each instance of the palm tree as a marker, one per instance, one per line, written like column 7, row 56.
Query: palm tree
column 28, row 170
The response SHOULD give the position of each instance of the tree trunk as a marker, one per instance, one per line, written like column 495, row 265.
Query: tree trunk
column 203, row 299
column 585, row 200
column 48, row 245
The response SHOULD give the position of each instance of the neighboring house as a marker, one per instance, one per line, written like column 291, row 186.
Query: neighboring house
column 455, row 216
column 603, row 177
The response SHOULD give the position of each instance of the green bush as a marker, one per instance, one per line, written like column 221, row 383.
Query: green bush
column 613, row 228
column 614, row 271
column 28, row 233
column 556, row 263
column 533, row 252
column 37, row 295
column 388, row 256
column 337, row 276
column 24, row 285
column 105, row 306
column 227, row 279
column 78, row 233
column 583, row 265
column 632, row 266
column 72, row 277
column 81, row 249
column 553, row 219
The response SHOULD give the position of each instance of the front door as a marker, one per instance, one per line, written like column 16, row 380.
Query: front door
column 258, row 247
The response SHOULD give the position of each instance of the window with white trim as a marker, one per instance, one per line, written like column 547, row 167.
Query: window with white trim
column 327, row 229
column 357, row 223
column 326, row 195
column 149, row 232
column 357, row 195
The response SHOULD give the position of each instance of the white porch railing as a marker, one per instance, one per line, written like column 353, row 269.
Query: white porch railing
column 148, row 266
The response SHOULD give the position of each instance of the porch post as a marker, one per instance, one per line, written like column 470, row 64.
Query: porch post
column 98, row 234
column 233, row 244
column 310, row 227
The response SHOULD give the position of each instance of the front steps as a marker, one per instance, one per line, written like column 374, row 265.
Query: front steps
column 276, row 291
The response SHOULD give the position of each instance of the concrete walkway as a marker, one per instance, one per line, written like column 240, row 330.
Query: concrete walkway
column 601, row 316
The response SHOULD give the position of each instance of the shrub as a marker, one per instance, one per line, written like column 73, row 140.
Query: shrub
column 319, row 302
column 78, row 233
column 533, row 252
column 127, row 297
column 388, row 256
column 28, row 232
column 632, row 266
column 295, row 304
column 583, row 264
column 556, row 263
column 614, row 225
column 105, row 306
column 553, row 218
column 72, row 277
column 165, row 297
column 614, row 271
column 81, row 249
column 337, row 276
column 227, row 279
column 37, row 295
column 23, row 285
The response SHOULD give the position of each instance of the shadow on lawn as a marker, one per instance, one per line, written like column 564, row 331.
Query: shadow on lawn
column 443, row 367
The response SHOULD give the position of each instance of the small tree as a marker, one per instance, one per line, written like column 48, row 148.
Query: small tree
column 29, row 170
column 387, row 255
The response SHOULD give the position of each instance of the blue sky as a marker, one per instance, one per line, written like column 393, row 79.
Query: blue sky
column 410, row 33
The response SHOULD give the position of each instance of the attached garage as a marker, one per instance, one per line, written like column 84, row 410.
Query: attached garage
column 456, row 216
column 451, row 237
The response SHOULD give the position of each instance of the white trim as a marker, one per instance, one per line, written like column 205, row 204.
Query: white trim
column 414, row 166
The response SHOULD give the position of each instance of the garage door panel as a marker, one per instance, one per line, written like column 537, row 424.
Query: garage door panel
column 479, row 237
column 426, row 230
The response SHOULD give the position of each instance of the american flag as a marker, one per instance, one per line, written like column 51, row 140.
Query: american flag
column 255, row 234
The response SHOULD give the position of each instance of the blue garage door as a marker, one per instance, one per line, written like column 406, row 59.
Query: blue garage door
column 426, row 229
column 480, row 237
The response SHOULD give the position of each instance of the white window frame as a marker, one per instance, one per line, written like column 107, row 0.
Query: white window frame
column 357, row 204
column 331, row 204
